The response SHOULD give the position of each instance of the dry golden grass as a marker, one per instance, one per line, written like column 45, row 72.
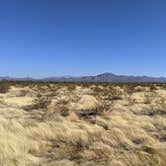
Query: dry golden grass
column 87, row 125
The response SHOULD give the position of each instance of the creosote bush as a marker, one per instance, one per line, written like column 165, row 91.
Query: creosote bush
column 41, row 101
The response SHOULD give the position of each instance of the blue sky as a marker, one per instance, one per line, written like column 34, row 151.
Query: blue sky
column 40, row 38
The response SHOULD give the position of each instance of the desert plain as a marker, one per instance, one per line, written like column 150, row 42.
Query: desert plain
column 82, row 124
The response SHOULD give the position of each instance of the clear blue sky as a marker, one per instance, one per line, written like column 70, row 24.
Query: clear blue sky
column 41, row 38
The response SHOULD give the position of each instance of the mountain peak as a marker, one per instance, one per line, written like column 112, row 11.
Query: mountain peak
column 106, row 74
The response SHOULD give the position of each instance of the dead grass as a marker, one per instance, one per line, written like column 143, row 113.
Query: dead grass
column 83, row 125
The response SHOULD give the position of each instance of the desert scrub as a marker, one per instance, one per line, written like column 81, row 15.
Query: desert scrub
column 53, row 113
column 71, row 87
column 149, row 96
column 41, row 101
column 4, row 87
column 115, row 93
column 88, row 107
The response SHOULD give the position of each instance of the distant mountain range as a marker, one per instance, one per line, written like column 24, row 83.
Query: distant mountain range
column 105, row 77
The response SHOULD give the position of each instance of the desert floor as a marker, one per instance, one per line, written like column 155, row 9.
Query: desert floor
column 65, row 124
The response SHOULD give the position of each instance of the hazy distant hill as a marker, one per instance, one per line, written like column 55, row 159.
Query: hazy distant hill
column 108, row 77
column 105, row 77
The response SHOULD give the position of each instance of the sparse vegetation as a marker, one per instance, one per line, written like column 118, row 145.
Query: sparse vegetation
column 41, row 102
column 85, row 124
column 4, row 87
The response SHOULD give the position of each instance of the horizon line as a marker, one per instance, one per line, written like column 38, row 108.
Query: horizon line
column 76, row 76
